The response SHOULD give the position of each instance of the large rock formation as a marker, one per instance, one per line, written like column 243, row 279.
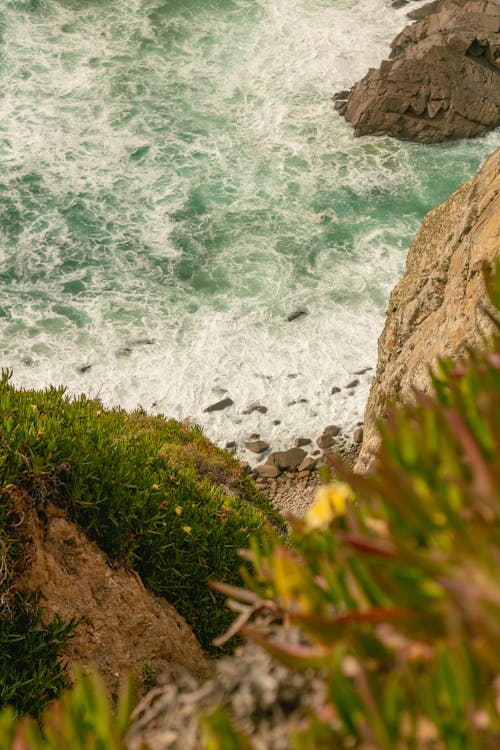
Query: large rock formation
column 442, row 81
column 437, row 309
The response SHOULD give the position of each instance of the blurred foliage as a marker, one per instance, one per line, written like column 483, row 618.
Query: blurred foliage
column 82, row 719
column 393, row 577
column 154, row 494
column 31, row 672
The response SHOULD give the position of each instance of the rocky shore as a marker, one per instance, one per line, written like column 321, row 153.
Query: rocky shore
column 442, row 79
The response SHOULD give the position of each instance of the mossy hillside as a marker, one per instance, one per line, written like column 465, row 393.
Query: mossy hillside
column 154, row 494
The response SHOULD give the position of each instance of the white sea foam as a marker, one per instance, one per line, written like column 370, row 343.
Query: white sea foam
column 175, row 181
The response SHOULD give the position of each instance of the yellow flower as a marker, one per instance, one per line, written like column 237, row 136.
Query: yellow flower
column 178, row 510
column 155, row 487
column 331, row 502
column 187, row 529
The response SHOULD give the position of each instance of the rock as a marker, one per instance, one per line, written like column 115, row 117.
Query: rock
column 267, row 470
column 257, row 446
column 442, row 81
column 298, row 401
column 298, row 313
column 357, row 435
column 352, row 384
column 125, row 351
column 362, row 372
column 256, row 407
column 287, row 459
column 325, row 441
column 301, row 441
column 423, row 11
column 439, row 308
column 316, row 453
column 219, row 405
column 254, row 436
column 84, row 368
column 332, row 429
column 231, row 446
column 276, row 422
column 308, row 464
column 335, row 390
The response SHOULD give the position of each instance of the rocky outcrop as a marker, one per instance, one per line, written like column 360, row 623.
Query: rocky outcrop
column 437, row 309
column 122, row 628
column 442, row 81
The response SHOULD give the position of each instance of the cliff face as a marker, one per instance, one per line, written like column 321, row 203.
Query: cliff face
column 437, row 307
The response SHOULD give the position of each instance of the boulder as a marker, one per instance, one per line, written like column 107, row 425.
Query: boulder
column 325, row 441
column 219, row 405
column 257, row 446
column 331, row 429
column 440, row 306
column 289, row 459
column 301, row 441
column 442, row 81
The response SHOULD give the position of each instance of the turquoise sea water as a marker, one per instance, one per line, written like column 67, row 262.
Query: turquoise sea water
column 174, row 181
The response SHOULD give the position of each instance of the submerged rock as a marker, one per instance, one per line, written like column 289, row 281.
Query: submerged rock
column 298, row 313
column 442, row 81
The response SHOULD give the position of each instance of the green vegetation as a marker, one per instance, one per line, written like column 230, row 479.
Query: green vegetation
column 82, row 719
column 154, row 494
column 393, row 578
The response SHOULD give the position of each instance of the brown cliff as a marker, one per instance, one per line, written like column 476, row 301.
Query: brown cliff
column 437, row 309
column 442, row 81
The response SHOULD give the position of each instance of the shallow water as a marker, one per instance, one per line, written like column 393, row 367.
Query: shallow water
column 174, row 181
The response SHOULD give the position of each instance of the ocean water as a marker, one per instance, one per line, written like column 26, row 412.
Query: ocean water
column 174, row 181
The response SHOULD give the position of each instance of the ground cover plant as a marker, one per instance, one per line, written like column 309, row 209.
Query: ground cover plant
column 393, row 578
column 154, row 494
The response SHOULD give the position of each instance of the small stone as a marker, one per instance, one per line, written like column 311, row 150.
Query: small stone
column 256, row 407
column 352, row 384
column 293, row 375
column 245, row 467
column 335, row 390
column 276, row 421
column 325, row 441
column 362, row 372
column 358, row 435
column 231, row 446
column 301, row 441
column 254, row 436
column 308, row 464
column 219, row 405
column 331, row 429
column 298, row 313
column 257, row 446
column 298, row 401
column 85, row 368
column 316, row 453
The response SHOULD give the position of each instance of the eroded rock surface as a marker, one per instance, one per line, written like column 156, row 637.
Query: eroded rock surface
column 122, row 627
column 442, row 81
column 438, row 308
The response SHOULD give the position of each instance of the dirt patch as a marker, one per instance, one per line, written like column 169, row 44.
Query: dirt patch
column 122, row 627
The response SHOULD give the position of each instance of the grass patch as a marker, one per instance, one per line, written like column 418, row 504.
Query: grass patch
column 154, row 494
